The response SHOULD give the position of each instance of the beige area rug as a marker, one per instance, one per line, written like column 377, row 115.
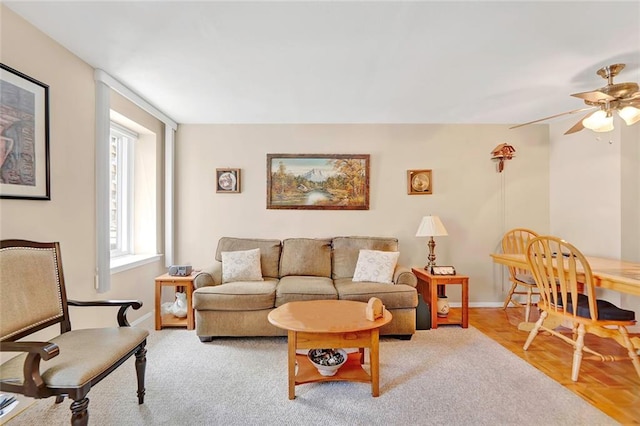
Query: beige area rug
column 448, row 376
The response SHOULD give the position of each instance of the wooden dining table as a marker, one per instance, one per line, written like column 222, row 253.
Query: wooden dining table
column 612, row 274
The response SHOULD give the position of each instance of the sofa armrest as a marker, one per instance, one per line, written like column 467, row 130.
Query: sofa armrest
column 209, row 276
column 403, row 275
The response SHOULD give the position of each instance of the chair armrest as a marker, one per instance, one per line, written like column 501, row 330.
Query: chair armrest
column 209, row 276
column 122, row 312
column 403, row 275
column 46, row 350
column 32, row 383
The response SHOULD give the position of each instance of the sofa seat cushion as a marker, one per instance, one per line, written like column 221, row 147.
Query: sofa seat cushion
column 300, row 288
column 236, row 296
column 396, row 296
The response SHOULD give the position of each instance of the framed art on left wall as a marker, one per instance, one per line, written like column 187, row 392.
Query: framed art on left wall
column 228, row 180
column 24, row 136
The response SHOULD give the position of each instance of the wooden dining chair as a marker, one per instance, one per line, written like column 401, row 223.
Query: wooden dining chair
column 515, row 242
column 558, row 268
column 33, row 298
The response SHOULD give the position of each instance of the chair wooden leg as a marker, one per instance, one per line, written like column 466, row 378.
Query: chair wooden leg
column 509, row 296
column 534, row 332
column 141, row 364
column 635, row 359
column 80, row 412
column 527, row 309
column 577, row 353
column 59, row 399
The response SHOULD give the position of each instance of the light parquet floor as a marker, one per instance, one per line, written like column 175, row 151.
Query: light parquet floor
column 612, row 387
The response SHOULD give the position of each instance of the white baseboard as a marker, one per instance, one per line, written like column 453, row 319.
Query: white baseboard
column 142, row 319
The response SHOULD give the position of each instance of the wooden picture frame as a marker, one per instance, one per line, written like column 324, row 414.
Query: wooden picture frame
column 419, row 182
column 24, row 136
column 318, row 181
column 228, row 181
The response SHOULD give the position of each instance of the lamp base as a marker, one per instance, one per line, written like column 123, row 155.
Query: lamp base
column 432, row 256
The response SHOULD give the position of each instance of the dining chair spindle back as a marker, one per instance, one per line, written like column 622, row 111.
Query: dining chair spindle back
column 515, row 242
column 556, row 266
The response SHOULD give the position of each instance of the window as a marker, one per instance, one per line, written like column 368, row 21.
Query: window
column 121, row 208
column 115, row 103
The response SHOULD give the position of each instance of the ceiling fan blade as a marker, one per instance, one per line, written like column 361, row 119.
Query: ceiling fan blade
column 553, row 116
column 594, row 96
column 578, row 126
column 633, row 96
column 630, row 102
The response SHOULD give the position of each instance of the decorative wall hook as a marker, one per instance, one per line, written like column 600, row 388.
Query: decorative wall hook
column 502, row 152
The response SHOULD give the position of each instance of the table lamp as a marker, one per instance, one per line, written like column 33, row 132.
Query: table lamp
column 431, row 226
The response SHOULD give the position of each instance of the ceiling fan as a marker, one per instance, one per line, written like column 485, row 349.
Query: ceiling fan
column 624, row 98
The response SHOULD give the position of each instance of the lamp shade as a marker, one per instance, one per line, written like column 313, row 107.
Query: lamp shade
column 599, row 121
column 431, row 226
column 630, row 115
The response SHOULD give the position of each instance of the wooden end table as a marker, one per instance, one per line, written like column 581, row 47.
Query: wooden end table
column 434, row 285
column 169, row 320
column 330, row 324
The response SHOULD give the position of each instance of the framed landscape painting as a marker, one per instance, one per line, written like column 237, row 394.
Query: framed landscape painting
column 318, row 181
column 24, row 136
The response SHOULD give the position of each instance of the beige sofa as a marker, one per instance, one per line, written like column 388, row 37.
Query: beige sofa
column 297, row 269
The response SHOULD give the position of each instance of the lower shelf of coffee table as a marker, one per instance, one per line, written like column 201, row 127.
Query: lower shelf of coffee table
column 351, row 371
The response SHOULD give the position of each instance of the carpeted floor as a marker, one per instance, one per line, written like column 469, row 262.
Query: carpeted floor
column 453, row 376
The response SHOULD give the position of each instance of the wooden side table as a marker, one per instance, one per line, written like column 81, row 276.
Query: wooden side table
column 434, row 285
column 170, row 320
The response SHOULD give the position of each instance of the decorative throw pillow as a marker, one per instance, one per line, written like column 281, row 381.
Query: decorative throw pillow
column 376, row 266
column 241, row 265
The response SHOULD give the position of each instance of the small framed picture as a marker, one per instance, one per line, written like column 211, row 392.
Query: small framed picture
column 443, row 270
column 419, row 182
column 228, row 180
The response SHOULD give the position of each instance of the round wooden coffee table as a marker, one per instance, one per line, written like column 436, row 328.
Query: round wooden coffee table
column 330, row 324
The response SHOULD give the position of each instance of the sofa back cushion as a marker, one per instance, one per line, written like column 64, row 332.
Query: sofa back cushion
column 306, row 256
column 269, row 252
column 347, row 249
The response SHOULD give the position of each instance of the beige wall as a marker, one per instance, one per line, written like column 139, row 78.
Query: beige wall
column 476, row 203
column 595, row 195
column 70, row 215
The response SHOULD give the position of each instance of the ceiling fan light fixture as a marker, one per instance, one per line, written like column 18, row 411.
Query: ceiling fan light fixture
column 599, row 121
column 630, row 115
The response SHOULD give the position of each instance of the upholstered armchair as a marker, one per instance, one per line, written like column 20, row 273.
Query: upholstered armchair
column 33, row 298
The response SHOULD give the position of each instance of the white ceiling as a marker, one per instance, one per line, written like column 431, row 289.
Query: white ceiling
column 350, row 62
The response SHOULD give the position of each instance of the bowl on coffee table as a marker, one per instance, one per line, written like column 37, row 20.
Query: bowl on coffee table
column 327, row 361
